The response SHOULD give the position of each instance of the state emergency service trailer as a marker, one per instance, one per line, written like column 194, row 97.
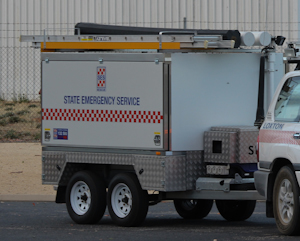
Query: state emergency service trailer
column 130, row 120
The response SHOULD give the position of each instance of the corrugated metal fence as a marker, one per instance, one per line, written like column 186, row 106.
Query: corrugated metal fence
column 20, row 64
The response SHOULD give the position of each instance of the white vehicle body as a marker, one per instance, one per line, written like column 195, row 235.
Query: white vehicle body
column 279, row 148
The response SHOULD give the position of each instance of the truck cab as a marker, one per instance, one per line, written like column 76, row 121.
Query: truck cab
column 278, row 154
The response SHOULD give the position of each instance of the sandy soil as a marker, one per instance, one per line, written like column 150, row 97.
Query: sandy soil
column 21, row 169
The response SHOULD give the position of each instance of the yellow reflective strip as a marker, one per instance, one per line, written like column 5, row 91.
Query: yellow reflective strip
column 105, row 45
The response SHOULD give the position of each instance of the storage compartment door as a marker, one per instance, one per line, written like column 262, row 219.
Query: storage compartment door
column 108, row 105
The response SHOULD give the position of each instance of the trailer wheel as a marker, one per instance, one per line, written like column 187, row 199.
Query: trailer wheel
column 236, row 210
column 193, row 209
column 86, row 198
column 127, row 202
column 286, row 202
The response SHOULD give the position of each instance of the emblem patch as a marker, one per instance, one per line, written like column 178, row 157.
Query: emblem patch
column 101, row 78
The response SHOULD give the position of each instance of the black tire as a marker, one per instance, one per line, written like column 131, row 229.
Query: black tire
column 193, row 209
column 127, row 202
column 236, row 210
column 86, row 198
column 286, row 202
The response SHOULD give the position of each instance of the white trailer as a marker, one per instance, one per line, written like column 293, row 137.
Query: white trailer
column 129, row 120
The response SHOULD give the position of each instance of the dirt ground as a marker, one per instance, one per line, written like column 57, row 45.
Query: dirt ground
column 21, row 170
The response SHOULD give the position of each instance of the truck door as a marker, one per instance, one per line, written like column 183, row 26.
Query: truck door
column 287, row 111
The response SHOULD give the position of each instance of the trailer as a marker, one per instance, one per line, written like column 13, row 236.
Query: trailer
column 133, row 116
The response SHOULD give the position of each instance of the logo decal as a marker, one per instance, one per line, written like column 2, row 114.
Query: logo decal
column 60, row 134
column 101, row 78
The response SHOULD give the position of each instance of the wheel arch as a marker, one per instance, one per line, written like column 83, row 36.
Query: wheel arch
column 276, row 165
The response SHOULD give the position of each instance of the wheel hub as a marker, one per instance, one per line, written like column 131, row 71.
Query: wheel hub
column 80, row 198
column 121, row 200
column 286, row 201
column 84, row 197
column 125, row 200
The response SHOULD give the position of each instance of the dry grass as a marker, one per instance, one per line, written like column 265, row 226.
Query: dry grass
column 20, row 121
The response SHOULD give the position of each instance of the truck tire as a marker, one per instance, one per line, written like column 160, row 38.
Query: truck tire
column 236, row 210
column 193, row 209
column 127, row 202
column 86, row 198
column 286, row 202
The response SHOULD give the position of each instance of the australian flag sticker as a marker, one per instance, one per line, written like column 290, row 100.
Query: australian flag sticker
column 101, row 78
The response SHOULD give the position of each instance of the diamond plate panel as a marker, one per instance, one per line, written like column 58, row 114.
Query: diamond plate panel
column 195, row 168
column 228, row 140
column 175, row 173
column 50, row 164
column 99, row 158
column 246, row 137
column 150, row 171
column 233, row 128
column 161, row 173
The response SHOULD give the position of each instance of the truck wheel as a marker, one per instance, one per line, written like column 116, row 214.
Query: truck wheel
column 127, row 202
column 86, row 198
column 236, row 210
column 193, row 209
column 286, row 202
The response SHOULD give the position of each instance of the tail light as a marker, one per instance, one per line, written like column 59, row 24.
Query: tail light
column 257, row 148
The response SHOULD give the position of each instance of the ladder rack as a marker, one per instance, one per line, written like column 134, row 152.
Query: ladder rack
column 166, row 40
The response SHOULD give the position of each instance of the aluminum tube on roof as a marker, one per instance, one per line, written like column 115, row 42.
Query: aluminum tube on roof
column 100, row 29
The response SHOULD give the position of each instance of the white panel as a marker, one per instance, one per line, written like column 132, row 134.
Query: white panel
column 211, row 14
column 209, row 90
column 153, row 13
column 189, row 13
column 219, row 14
column 226, row 14
column 168, row 13
column 126, row 12
column 118, row 129
column 132, row 14
column 161, row 14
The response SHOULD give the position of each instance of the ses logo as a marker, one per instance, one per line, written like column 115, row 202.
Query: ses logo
column 101, row 78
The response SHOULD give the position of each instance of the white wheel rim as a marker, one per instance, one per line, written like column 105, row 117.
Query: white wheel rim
column 80, row 198
column 121, row 200
column 286, row 201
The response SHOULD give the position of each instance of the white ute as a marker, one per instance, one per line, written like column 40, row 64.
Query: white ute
column 278, row 152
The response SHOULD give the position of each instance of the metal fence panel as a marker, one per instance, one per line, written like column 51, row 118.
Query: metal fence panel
column 20, row 64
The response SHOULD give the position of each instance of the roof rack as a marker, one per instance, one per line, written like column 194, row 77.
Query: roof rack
column 163, row 41
column 102, row 37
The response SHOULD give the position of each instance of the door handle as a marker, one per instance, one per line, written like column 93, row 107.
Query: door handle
column 297, row 136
